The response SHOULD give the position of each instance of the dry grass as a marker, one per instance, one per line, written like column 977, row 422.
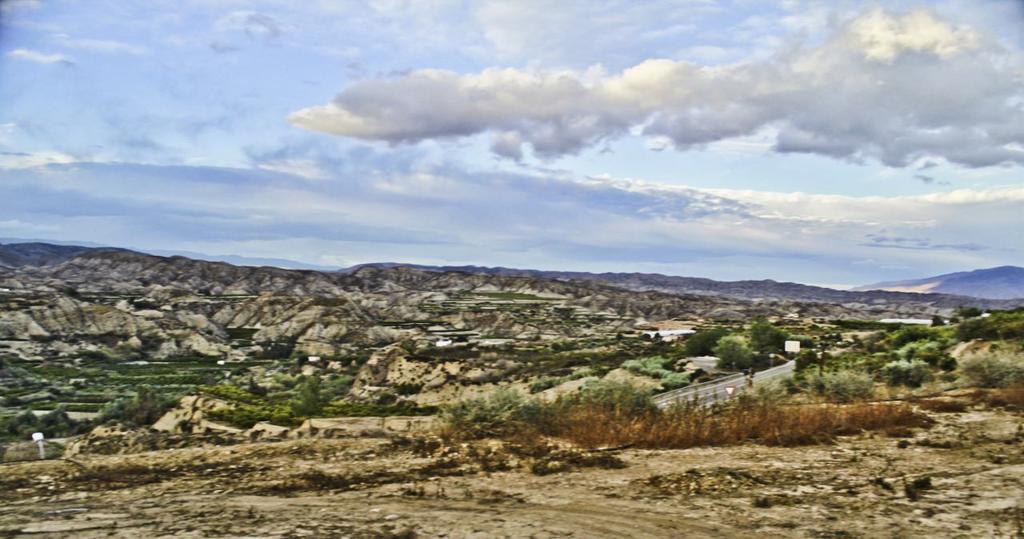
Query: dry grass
column 766, row 423
column 616, row 414
column 945, row 406
column 1011, row 398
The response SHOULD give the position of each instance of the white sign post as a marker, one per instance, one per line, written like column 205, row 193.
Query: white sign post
column 792, row 347
column 38, row 437
column 730, row 390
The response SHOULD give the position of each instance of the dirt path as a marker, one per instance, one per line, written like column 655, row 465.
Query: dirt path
column 969, row 472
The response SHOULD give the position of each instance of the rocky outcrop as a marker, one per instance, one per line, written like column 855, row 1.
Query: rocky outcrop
column 63, row 316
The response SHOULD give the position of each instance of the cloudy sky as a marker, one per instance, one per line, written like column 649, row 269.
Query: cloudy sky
column 825, row 142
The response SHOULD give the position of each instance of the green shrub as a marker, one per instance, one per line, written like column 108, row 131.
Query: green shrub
column 245, row 416
column 912, row 373
column 142, row 410
column 498, row 413
column 655, row 367
column 544, row 383
column 806, row 359
column 675, row 380
column 766, row 338
column 52, row 424
column 231, row 394
column 733, row 353
column 910, row 334
column 1002, row 325
column 617, row 397
column 308, row 402
column 703, row 343
column 842, row 385
column 992, row 370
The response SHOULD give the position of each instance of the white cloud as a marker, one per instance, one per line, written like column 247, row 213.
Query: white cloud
column 883, row 37
column 38, row 57
column 16, row 160
column 101, row 45
column 418, row 213
column 892, row 88
column 304, row 168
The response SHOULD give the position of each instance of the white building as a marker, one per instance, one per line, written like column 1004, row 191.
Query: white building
column 910, row 321
column 669, row 334
column 441, row 343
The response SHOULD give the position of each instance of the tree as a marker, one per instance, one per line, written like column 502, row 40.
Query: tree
column 806, row 359
column 766, row 338
column 733, row 353
column 703, row 343
column 307, row 402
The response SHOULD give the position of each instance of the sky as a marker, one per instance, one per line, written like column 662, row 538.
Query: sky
column 827, row 142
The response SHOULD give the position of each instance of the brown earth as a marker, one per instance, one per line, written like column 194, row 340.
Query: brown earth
column 964, row 477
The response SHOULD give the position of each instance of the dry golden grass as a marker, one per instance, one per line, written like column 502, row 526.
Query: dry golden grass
column 1011, row 397
column 766, row 423
column 942, row 405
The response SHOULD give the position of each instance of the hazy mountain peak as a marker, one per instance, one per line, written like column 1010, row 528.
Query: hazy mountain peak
column 1000, row 282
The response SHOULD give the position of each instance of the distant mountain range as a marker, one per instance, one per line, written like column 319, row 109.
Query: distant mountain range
column 16, row 252
column 751, row 290
column 1003, row 282
column 990, row 285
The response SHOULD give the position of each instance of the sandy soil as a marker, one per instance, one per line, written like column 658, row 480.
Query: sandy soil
column 861, row 486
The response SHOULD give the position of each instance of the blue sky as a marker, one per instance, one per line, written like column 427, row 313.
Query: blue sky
column 824, row 142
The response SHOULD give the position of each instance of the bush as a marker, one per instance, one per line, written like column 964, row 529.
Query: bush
column 245, row 416
column 910, row 334
column 703, row 343
column 648, row 366
column 841, row 386
column 308, row 401
column 806, row 359
column 656, row 367
column 501, row 412
column 906, row 373
column 766, row 338
column 992, row 370
column 53, row 424
column 931, row 352
column 733, row 353
column 142, row 410
column 1003, row 325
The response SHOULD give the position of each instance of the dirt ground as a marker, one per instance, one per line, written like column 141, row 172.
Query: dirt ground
column 964, row 477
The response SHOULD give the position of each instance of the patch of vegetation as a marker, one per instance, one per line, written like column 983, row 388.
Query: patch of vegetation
column 362, row 409
column 703, row 343
column 242, row 334
column 618, row 414
column 766, row 338
column 840, row 386
column 54, row 424
column 1001, row 325
column 510, row 296
column 995, row 369
column 733, row 353
column 142, row 410
column 657, row 367
column 906, row 373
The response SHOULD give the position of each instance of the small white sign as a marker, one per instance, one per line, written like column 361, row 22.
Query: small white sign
column 314, row 359
column 37, row 436
column 792, row 346
column 730, row 390
column 221, row 362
